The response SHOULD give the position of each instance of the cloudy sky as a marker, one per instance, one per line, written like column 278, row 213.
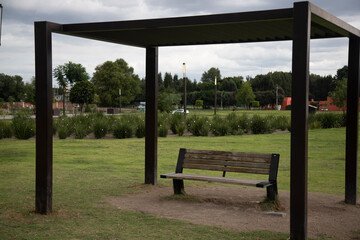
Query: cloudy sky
column 17, row 37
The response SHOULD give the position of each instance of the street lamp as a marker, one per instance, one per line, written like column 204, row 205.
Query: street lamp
column 215, row 95
column 1, row 14
column 120, row 99
column 184, row 77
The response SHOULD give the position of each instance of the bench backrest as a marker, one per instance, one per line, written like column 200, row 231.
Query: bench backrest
column 257, row 163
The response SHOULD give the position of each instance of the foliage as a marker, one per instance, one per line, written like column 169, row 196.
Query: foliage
column 64, row 127
column 163, row 131
column 281, row 122
column 245, row 94
column 339, row 95
column 82, row 93
column 23, row 125
column 5, row 129
column 140, row 128
column 100, row 127
column 123, row 129
column 329, row 120
column 167, row 101
column 199, row 103
column 255, row 104
column 218, row 127
column 198, row 126
column 260, row 125
column 233, row 122
column 209, row 76
column 11, row 86
column 175, row 121
column 109, row 77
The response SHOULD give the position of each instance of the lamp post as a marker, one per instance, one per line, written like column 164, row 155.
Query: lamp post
column 215, row 95
column 120, row 99
column 184, row 77
column 1, row 14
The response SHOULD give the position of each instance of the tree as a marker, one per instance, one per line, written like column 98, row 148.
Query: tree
column 168, row 100
column 339, row 95
column 109, row 77
column 29, row 91
column 199, row 103
column 69, row 73
column 11, row 86
column 245, row 94
column 82, row 92
column 209, row 76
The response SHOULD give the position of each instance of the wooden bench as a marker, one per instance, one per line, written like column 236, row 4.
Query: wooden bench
column 255, row 163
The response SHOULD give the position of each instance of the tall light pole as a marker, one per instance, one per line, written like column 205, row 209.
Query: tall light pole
column 215, row 94
column 120, row 99
column 1, row 14
column 184, row 77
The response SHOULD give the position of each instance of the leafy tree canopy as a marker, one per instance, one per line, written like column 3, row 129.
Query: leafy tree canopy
column 339, row 95
column 109, row 77
column 11, row 86
column 70, row 73
column 209, row 76
column 245, row 94
column 82, row 93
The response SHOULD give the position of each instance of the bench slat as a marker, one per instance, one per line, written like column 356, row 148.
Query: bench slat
column 226, row 169
column 227, row 163
column 225, row 157
column 239, row 181
column 227, row 153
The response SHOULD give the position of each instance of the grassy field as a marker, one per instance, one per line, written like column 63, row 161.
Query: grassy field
column 86, row 172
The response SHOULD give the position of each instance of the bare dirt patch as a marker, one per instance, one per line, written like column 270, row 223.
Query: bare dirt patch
column 239, row 209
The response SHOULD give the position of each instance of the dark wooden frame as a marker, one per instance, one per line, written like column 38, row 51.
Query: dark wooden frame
column 301, row 23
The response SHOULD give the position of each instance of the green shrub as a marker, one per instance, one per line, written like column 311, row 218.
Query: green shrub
column 281, row 122
column 232, row 121
column 180, row 128
column 200, row 126
column 23, row 125
column 163, row 131
column 329, row 120
column 244, row 122
column 65, row 127
column 100, row 127
column 219, row 126
column 315, row 125
column 175, row 120
column 5, row 129
column 122, row 129
column 342, row 119
column 80, row 131
column 260, row 125
column 140, row 129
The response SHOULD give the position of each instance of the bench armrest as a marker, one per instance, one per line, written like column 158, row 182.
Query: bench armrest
column 167, row 174
column 264, row 184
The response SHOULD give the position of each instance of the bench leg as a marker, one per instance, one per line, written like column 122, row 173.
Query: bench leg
column 272, row 192
column 178, row 186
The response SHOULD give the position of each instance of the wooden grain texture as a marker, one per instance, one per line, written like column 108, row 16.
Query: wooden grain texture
column 238, row 181
column 226, row 169
column 227, row 163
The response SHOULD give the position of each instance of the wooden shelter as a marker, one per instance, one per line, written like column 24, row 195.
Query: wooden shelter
column 299, row 24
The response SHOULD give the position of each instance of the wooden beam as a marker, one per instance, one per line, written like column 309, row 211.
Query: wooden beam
column 299, row 121
column 352, row 121
column 43, row 96
column 151, row 115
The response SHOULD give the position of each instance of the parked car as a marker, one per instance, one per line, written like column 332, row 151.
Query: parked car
column 179, row 111
column 324, row 109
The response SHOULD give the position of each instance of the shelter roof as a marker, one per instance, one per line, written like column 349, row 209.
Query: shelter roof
column 257, row 26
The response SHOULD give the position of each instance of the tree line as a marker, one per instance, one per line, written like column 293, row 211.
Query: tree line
column 103, row 88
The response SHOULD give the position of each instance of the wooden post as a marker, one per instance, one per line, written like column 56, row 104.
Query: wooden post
column 352, row 105
column 299, row 121
column 151, row 115
column 43, row 96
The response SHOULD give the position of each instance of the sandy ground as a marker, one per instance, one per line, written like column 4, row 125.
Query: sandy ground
column 238, row 208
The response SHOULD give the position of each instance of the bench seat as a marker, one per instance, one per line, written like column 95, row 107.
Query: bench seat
column 238, row 181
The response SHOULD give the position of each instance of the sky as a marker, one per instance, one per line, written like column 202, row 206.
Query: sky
column 17, row 37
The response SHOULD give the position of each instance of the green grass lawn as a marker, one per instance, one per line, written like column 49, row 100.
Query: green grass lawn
column 88, row 171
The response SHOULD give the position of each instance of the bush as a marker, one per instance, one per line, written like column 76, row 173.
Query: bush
column 100, row 127
column 140, row 129
column 80, row 131
column 219, row 127
column 244, row 123
column 199, row 126
column 5, row 129
column 163, row 131
column 23, row 125
column 233, row 124
column 329, row 120
column 260, row 125
column 65, row 127
column 180, row 128
column 122, row 129
column 175, row 120
column 281, row 122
